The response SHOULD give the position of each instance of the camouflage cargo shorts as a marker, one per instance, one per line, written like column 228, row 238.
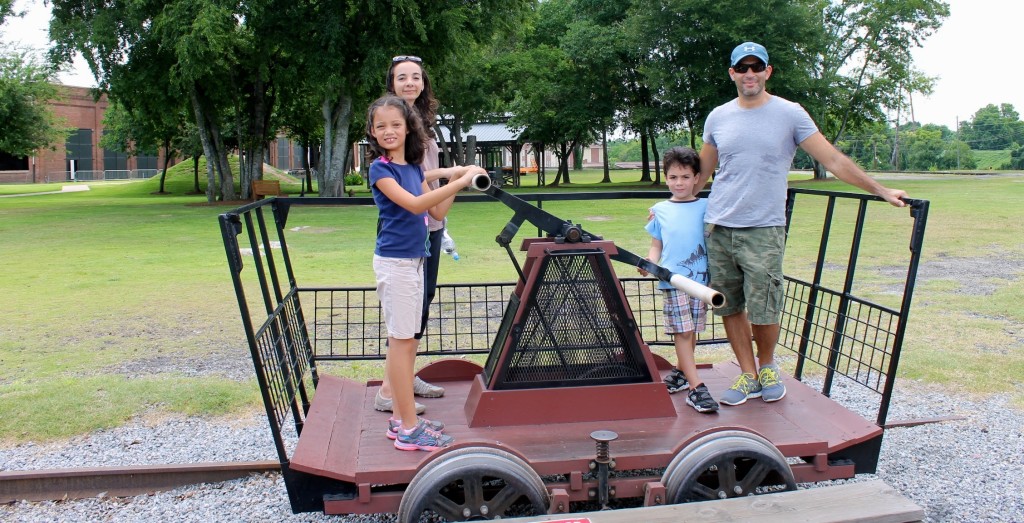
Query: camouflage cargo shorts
column 745, row 265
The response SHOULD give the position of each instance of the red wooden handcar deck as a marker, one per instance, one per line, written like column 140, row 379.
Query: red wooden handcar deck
column 344, row 437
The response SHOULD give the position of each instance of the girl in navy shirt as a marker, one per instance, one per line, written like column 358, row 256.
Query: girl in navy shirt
column 396, row 137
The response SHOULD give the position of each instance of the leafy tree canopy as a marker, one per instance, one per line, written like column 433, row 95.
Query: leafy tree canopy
column 26, row 84
column 6, row 10
column 994, row 128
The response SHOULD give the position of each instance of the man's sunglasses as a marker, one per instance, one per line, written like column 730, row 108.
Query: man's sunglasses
column 404, row 58
column 758, row 67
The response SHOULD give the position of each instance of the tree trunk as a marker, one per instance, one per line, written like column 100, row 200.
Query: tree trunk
column 645, row 165
column 604, row 153
column 657, row 160
column 444, row 146
column 470, row 150
column 227, row 180
column 195, row 174
column 562, row 153
column 337, row 115
column 458, row 153
column 252, row 127
column 693, row 135
column 168, row 156
column 819, row 170
column 568, row 152
column 207, row 141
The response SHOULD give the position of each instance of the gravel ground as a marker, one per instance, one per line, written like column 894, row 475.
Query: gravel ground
column 969, row 469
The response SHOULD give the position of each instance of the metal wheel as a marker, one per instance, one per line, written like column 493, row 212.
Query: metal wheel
column 726, row 464
column 471, row 484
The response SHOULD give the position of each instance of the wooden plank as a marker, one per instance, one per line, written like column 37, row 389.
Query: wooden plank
column 867, row 501
column 316, row 435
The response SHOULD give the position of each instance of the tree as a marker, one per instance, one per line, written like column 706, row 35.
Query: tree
column 866, row 66
column 144, row 131
column 547, row 108
column 299, row 116
column 563, row 80
column 993, row 128
column 143, row 52
column 6, row 10
column 686, row 45
column 467, row 93
column 26, row 85
column 342, row 51
column 1017, row 158
column 922, row 149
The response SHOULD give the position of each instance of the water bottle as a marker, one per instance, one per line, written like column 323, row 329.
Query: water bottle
column 448, row 245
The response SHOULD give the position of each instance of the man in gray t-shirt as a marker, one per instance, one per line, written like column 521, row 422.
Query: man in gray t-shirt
column 752, row 140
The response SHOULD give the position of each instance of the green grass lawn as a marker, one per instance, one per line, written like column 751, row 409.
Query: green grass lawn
column 96, row 281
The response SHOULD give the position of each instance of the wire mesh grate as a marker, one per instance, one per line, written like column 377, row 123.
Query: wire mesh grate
column 573, row 328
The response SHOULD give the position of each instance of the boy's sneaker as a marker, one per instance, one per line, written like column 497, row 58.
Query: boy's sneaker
column 746, row 386
column 426, row 390
column 676, row 381
column 386, row 404
column 422, row 438
column 770, row 378
column 394, row 425
column 700, row 399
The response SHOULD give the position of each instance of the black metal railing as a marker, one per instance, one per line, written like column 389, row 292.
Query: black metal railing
column 823, row 323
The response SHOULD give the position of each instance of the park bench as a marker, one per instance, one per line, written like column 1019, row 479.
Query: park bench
column 261, row 188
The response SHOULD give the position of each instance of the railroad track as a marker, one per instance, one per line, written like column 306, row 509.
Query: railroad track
column 79, row 483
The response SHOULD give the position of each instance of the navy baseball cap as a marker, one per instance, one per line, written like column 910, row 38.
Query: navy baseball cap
column 749, row 49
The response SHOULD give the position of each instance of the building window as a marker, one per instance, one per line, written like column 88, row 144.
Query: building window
column 298, row 152
column 283, row 153
column 79, row 148
column 114, row 160
column 13, row 163
column 146, row 161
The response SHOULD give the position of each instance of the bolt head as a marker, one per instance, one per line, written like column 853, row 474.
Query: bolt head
column 604, row 436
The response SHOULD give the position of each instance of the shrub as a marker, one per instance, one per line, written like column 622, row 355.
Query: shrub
column 353, row 179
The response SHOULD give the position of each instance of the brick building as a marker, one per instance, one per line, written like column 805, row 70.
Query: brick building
column 81, row 157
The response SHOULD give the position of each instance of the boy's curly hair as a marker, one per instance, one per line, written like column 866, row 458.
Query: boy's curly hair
column 681, row 156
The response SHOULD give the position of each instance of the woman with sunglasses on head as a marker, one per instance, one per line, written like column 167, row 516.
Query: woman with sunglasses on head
column 407, row 79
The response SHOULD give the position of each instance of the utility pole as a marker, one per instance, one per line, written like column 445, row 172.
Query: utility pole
column 896, row 136
column 958, row 144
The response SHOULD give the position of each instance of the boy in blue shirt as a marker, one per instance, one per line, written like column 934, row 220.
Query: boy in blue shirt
column 677, row 243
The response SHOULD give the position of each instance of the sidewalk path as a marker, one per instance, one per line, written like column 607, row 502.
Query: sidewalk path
column 66, row 188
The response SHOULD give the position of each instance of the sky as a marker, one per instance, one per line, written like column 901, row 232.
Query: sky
column 965, row 54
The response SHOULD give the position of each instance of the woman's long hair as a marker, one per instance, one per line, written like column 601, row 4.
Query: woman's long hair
column 425, row 104
column 415, row 140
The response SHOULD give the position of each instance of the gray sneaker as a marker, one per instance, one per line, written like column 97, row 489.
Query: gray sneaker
column 770, row 378
column 385, row 404
column 745, row 387
column 426, row 390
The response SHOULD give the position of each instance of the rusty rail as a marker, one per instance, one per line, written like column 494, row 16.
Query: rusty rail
column 89, row 482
